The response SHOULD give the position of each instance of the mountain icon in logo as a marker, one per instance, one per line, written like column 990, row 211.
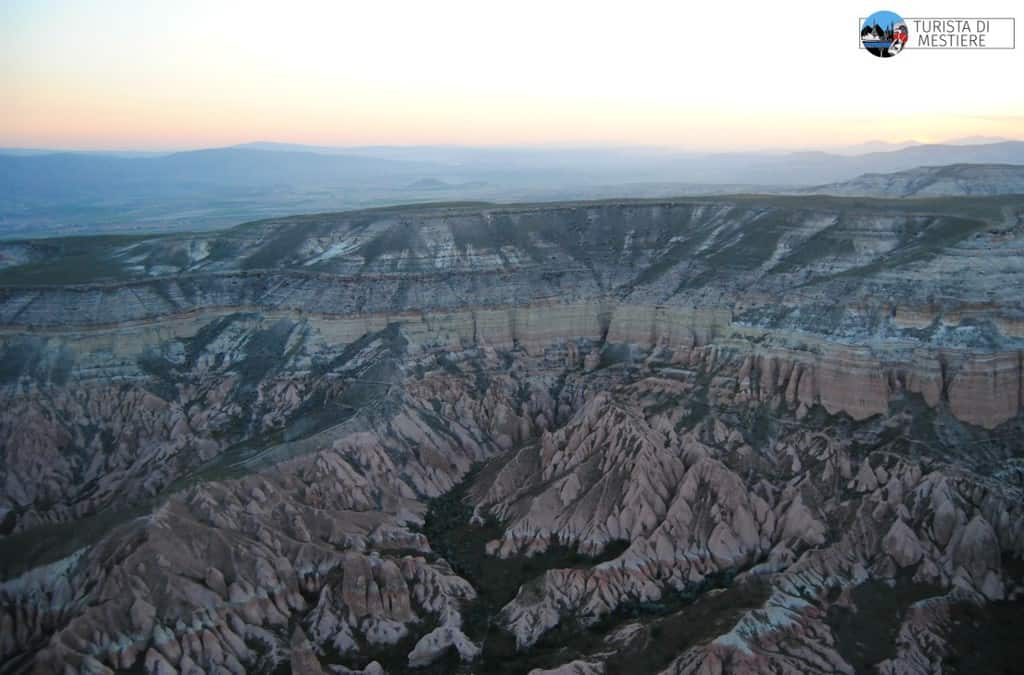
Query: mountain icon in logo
column 884, row 34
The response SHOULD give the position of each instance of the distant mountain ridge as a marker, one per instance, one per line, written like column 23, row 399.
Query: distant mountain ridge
column 954, row 180
column 63, row 193
column 254, row 164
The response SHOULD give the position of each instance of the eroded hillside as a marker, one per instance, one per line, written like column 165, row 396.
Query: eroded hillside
column 705, row 435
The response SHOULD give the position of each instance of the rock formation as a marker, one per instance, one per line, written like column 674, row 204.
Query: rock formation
column 967, row 180
column 739, row 434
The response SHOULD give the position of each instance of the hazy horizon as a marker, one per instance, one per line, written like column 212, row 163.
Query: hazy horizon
column 871, row 145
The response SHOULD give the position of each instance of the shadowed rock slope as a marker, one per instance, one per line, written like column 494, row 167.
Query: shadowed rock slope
column 743, row 434
column 967, row 180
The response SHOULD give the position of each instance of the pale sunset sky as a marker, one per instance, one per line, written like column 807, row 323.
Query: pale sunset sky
column 712, row 75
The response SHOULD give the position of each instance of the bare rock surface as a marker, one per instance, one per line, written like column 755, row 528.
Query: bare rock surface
column 751, row 434
column 932, row 181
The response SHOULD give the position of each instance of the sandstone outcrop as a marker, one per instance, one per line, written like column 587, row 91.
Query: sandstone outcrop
column 694, row 436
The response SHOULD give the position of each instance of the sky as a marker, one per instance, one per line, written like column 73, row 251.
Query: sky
column 720, row 75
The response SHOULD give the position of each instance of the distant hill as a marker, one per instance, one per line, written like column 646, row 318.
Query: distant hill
column 80, row 193
column 954, row 180
column 43, row 176
column 815, row 168
column 49, row 176
column 26, row 152
column 428, row 184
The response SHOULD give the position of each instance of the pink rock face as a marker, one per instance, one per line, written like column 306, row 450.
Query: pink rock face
column 698, row 452
column 325, row 541
column 987, row 389
column 901, row 543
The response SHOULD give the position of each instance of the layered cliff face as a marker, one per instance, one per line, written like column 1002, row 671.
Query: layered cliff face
column 679, row 436
column 932, row 181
